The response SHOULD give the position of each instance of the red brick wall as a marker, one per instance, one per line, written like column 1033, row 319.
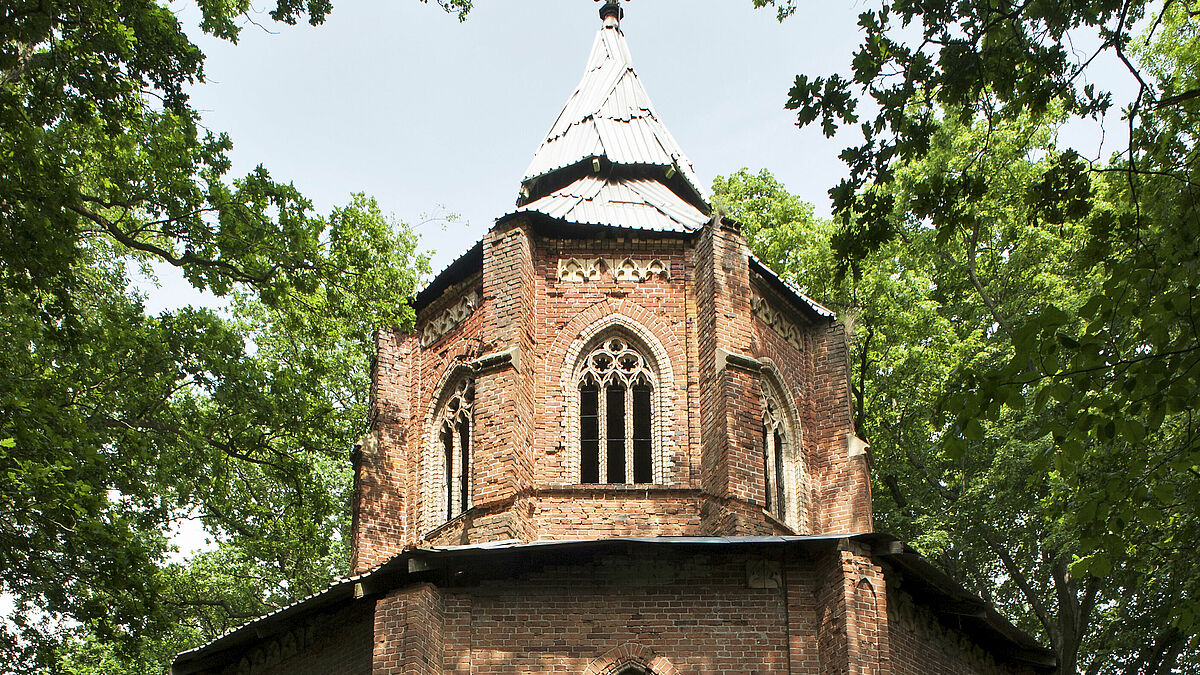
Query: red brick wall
column 701, row 618
column 751, row 610
column 709, row 426
column 408, row 632
column 841, row 485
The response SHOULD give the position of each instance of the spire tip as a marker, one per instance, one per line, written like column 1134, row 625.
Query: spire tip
column 611, row 11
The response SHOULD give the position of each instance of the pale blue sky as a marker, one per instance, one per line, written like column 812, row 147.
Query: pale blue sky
column 398, row 99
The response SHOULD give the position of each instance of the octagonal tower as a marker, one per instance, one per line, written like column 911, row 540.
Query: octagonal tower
column 609, row 361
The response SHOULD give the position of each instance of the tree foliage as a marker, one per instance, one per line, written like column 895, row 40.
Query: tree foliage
column 116, row 425
column 984, row 502
column 1103, row 371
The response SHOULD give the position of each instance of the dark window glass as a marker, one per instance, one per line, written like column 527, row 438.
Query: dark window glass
column 589, row 434
column 766, row 464
column 616, row 432
column 643, row 471
column 448, row 446
column 464, row 440
column 780, row 499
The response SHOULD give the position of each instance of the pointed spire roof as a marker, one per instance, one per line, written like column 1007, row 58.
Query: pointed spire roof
column 608, row 159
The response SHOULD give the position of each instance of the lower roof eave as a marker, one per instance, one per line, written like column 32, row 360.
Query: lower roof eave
column 928, row 585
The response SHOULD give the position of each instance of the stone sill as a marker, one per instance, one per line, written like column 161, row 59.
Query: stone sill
column 777, row 521
column 624, row 489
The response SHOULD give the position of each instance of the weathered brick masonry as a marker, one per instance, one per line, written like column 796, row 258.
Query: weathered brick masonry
column 524, row 484
column 615, row 442
column 809, row 607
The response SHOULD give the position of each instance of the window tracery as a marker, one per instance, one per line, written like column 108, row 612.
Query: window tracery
column 774, row 437
column 453, row 433
column 782, row 458
column 616, row 408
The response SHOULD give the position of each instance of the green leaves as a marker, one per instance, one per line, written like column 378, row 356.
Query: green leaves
column 114, row 424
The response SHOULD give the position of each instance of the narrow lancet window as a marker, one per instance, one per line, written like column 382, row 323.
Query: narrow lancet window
column 453, row 422
column 589, row 432
column 775, row 457
column 616, row 391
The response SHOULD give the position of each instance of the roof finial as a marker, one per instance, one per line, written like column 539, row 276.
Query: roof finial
column 611, row 12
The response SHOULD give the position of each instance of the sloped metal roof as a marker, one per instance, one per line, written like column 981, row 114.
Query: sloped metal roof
column 637, row 203
column 796, row 291
column 610, row 116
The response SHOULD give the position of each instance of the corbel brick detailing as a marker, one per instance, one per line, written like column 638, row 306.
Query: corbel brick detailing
column 409, row 632
column 726, row 359
column 509, row 358
column 502, row 465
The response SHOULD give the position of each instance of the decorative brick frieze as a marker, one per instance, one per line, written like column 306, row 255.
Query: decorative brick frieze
column 619, row 269
column 337, row 642
column 450, row 318
column 776, row 320
column 922, row 643
column 575, row 269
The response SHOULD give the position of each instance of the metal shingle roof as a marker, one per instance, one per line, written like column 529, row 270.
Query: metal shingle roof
column 610, row 115
column 636, row 203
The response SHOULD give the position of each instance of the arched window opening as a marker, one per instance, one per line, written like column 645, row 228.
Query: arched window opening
column 454, row 432
column 774, row 439
column 616, row 387
column 783, row 471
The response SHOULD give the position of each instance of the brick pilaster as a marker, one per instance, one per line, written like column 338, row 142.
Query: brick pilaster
column 408, row 632
column 504, row 414
column 380, row 500
column 852, row 634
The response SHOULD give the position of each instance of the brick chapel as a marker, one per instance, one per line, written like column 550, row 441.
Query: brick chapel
column 618, row 443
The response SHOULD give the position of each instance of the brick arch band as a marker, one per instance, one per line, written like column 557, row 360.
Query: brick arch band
column 630, row 654
column 589, row 327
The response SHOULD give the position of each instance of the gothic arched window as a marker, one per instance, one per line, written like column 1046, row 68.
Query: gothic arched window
column 452, row 456
column 616, row 409
column 782, row 463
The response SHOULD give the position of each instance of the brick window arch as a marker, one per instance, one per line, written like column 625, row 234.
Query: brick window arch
column 630, row 658
column 782, row 459
column 448, row 465
column 616, row 386
column 591, row 331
